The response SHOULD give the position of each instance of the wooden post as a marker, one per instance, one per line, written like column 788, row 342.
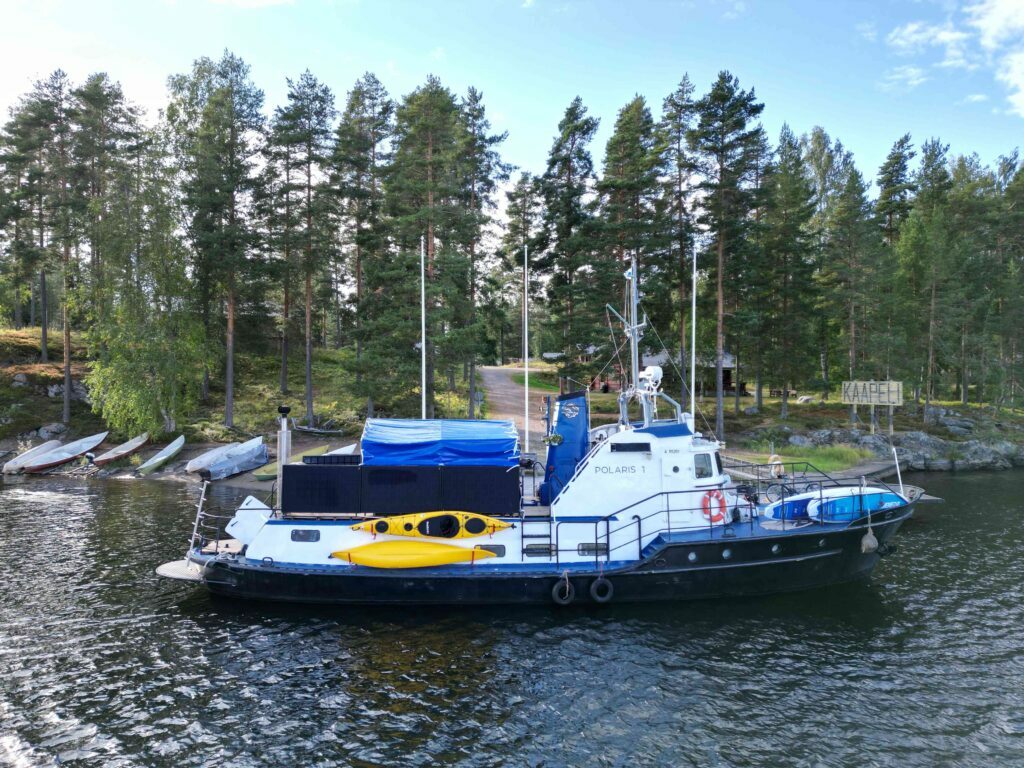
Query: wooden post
column 872, row 419
column 890, row 421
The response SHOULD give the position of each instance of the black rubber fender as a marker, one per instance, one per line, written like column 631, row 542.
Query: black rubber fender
column 563, row 592
column 601, row 590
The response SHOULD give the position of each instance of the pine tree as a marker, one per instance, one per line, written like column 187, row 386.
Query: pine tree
column 679, row 113
column 790, row 245
column 566, row 253
column 484, row 170
column 358, row 162
column 895, row 189
column 304, row 125
column 216, row 115
column 724, row 139
column 425, row 194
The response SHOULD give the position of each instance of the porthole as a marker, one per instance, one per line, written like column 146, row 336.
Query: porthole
column 675, row 469
column 776, row 549
column 692, row 557
column 726, row 553
column 661, row 562
column 307, row 535
column 821, row 543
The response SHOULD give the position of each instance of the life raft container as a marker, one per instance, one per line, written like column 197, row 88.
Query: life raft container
column 713, row 506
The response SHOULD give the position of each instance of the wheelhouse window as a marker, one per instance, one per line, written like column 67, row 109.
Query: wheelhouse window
column 702, row 466
column 718, row 463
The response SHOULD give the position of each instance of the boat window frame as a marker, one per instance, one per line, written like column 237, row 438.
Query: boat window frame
column 709, row 468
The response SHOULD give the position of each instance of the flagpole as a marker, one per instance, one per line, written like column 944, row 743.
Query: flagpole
column 423, row 332
column 526, row 347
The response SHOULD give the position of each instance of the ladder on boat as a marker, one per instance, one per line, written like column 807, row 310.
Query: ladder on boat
column 535, row 532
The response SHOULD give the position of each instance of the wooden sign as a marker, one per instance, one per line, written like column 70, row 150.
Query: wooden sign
column 873, row 392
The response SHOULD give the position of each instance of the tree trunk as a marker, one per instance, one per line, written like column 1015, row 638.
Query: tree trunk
column 285, row 312
column 472, row 390
column 736, row 382
column 928, row 394
column 359, row 310
column 66, row 416
column 229, row 373
column 963, row 364
column 720, row 342
column 44, row 354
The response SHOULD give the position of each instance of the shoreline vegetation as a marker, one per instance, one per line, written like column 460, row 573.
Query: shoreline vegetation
column 190, row 273
column 961, row 438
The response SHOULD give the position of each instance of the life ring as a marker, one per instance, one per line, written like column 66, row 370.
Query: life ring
column 601, row 590
column 563, row 592
column 775, row 466
column 714, row 514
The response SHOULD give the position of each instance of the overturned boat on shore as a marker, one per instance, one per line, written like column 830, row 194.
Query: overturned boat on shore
column 450, row 512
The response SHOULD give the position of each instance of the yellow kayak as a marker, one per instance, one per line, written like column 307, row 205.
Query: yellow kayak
column 410, row 554
column 440, row 525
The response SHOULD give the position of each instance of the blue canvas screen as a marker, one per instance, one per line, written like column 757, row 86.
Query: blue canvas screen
column 432, row 442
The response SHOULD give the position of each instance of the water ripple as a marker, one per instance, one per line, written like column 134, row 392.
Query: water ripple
column 103, row 664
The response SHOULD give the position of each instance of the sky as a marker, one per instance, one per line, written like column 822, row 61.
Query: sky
column 867, row 72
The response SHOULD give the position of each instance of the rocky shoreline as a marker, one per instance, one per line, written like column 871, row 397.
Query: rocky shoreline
column 922, row 451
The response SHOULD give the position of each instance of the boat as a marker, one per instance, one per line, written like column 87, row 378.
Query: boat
column 638, row 511
column 238, row 458
column 63, row 454
column 269, row 471
column 203, row 460
column 163, row 456
column 15, row 465
column 122, row 451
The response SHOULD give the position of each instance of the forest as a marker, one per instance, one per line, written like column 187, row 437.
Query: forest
column 226, row 227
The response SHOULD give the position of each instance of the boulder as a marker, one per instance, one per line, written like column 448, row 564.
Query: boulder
column 958, row 431
column 751, row 410
column 877, row 444
column 49, row 431
column 800, row 441
column 20, row 380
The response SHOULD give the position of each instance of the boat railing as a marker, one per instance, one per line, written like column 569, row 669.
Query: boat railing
column 675, row 512
column 208, row 530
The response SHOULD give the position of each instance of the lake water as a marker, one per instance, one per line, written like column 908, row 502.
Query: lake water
column 104, row 664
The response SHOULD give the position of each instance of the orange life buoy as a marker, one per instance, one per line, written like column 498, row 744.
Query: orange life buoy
column 714, row 514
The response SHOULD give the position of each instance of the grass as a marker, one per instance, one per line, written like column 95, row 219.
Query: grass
column 540, row 382
column 827, row 458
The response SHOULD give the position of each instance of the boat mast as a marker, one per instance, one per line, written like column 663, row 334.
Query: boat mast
column 693, row 344
column 526, row 348
column 423, row 331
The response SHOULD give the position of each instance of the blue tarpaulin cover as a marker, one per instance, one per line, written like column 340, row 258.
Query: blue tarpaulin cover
column 453, row 442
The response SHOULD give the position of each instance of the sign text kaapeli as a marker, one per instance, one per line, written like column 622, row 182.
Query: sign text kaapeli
column 873, row 392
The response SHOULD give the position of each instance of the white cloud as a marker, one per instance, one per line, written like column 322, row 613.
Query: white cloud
column 975, row 98
column 867, row 30
column 527, row 3
column 438, row 53
column 903, row 78
column 997, row 21
column 1011, row 72
column 916, row 36
column 735, row 10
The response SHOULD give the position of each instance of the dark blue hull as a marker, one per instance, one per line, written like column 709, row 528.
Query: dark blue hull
column 673, row 569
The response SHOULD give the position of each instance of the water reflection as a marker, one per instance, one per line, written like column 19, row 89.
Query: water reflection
column 102, row 663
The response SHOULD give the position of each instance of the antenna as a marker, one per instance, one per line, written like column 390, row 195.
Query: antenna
column 526, row 347
column 423, row 331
